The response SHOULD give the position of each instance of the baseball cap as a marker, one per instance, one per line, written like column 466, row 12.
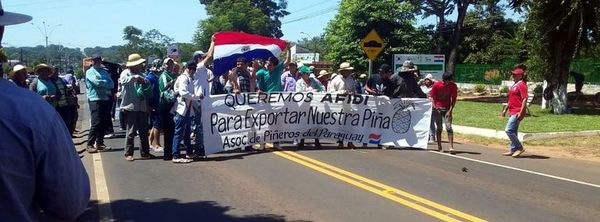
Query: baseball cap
column 385, row 68
column 191, row 65
column 167, row 60
column 96, row 57
column 304, row 70
column 198, row 54
column 517, row 71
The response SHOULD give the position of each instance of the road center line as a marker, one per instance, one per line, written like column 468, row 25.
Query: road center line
column 104, row 208
column 396, row 195
column 519, row 169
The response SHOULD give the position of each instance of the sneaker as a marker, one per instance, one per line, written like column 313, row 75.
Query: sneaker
column 149, row 156
column 91, row 149
column 507, row 153
column 102, row 147
column 451, row 151
column 191, row 157
column 518, row 152
column 439, row 149
column 158, row 149
column 180, row 160
column 129, row 158
column 277, row 145
column 109, row 136
column 340, row 145
column 351, row 146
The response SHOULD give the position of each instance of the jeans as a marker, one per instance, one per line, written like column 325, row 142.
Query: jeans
column 137, row 122
column 183, row 129
column 432, row 129
column 99, row 113
column 199, row 140
column 512, row 131
column 168, row 129
column 66, row 113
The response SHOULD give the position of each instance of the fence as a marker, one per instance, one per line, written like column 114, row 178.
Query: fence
column 494, row 74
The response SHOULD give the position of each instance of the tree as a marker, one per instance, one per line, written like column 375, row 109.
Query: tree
column 316, row 43
column 144, row 43
column 461, row 8
column 489, row 38
column 439, row 9
column 557, row 30
column 231, row 15
column 391, row 19
column 274, row 11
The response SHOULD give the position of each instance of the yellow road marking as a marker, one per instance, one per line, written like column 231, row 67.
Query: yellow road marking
column 386, row 191
column 104, row 209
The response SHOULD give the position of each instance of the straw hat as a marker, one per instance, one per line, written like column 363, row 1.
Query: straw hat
column 323, row 73
column 408, row 66
column 19, row 67
column 43, row 66
column 10, row 18
column 362, row 76
column 134, row 60
column 345, row 66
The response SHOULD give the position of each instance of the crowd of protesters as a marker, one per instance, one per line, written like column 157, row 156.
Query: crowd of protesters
column 162, row 97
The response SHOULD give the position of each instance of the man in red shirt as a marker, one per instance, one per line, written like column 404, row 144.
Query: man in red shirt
column 516, row 108
column 443, row 95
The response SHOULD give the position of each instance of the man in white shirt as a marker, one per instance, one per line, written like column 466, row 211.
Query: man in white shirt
column 185, row 89
column 344, row 83
column 201, row 76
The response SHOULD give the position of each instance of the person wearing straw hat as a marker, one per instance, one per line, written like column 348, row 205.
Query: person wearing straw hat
column 42, row 175
column 44, row 86
column 323, row 78
column 18, row 76
column 99, row 85
column 343, row 83
column 135, row 107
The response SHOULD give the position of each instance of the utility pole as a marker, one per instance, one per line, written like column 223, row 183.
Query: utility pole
column 46, row 34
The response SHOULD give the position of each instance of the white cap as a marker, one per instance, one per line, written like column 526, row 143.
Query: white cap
column 18, row 67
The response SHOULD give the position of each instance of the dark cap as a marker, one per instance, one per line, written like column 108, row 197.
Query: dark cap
column 385, row 68
column 191, row 65
column 96, row 57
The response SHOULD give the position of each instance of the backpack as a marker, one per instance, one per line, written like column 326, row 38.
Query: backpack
column 168, row 97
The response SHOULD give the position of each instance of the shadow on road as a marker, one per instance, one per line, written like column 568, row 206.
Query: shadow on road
column 172, row 210
column 533, row 157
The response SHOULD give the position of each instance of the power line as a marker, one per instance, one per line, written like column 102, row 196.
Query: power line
column 311, row 15
column 310, row 6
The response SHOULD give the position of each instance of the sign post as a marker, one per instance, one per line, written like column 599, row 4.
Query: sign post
column 372, row 45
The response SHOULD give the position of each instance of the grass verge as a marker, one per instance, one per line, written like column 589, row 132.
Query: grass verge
column 486, row 115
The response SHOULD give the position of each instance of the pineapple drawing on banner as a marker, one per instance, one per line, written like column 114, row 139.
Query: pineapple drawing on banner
column 402, row 118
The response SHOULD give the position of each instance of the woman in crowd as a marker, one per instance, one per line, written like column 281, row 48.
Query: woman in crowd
column 307, row 84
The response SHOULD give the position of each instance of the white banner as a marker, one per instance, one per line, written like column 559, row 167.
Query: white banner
column 235, row 121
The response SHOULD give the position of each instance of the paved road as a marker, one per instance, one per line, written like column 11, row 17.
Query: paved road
column 343, row 185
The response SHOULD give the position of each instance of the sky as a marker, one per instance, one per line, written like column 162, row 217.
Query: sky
column 90, row 23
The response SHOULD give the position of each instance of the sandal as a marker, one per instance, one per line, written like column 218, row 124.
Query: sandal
column 129, row 158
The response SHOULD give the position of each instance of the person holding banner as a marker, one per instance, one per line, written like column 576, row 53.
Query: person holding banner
column 269, row 79
column 380, row 84
column 307, row 84
column 443, row 95
column 344, row 83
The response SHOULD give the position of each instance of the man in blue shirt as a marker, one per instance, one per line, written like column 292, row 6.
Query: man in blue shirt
column 41, row 175
column 152, row 77
column 99, row 85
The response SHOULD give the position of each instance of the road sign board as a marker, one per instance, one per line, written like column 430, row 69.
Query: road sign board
column 372, row 44
column 427, row 63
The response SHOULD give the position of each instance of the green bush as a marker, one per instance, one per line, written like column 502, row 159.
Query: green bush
column 504, row 89
column 479, row 88
column 538, row 88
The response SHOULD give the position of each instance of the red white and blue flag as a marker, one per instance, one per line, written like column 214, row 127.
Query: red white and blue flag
column 374, row 138
column 229, row 46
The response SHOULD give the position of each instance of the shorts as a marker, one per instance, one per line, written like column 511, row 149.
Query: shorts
column 439, row 116
column 155, row 120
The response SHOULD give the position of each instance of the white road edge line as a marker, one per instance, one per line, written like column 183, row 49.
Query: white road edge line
column 104, row 208
column 519, row 169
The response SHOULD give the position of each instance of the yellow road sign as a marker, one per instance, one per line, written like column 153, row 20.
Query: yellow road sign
column 372, row 44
